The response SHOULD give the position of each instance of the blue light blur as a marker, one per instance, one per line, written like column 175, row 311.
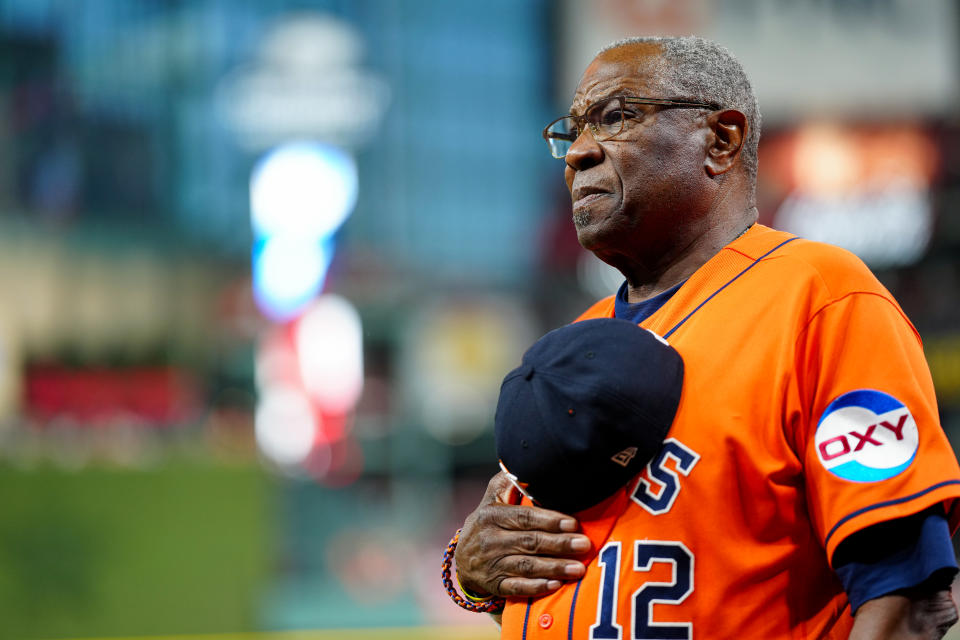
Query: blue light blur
column 288, row 272
column 300, row 194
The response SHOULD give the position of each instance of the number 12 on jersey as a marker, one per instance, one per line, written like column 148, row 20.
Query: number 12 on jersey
column 646, row 553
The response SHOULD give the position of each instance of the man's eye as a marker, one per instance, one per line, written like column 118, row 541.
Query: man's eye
column 612, row 117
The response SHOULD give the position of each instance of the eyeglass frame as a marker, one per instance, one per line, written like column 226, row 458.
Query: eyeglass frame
column 662, row 102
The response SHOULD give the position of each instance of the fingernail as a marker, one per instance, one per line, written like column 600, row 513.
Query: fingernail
column 554, row 584
column 573, row 569
column 568, row 524
column 580, row 544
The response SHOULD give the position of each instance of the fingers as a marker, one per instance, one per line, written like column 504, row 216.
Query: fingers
column 534, row 567
column 491, row 544
column 508, row 549
column 524, row 518
column 528, row 562
column 537, row 543
column 526, row 587
column 541, row 575
column 501, row 491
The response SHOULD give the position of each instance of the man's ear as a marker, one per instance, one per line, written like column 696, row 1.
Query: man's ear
column 728, row 131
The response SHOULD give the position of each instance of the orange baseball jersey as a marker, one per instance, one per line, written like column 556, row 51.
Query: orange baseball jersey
column 807, row 414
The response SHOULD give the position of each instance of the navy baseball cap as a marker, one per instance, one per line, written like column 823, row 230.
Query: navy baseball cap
column 586, row 410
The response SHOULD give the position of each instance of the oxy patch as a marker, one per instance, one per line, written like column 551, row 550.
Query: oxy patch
column 866, row 436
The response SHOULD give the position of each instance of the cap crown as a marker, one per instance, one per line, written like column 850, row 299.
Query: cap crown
column 586, row 410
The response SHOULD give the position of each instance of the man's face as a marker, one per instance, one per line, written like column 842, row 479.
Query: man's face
column 639, row 194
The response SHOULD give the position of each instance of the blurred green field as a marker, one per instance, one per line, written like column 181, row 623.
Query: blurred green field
column 182, row 548
column 412, row 633
column 433, row 633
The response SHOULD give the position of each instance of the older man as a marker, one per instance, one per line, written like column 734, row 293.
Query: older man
column 806, row 489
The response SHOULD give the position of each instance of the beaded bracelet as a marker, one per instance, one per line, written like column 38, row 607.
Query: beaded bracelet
column 490, row 604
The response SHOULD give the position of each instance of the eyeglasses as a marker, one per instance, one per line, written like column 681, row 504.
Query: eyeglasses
column 606, row 119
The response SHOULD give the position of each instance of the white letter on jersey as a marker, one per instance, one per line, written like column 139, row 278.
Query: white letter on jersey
column 685, row 459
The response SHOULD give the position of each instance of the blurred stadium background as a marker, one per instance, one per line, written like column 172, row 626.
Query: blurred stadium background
column 265, row 263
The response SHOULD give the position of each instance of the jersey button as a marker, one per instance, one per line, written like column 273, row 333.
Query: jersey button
column 545, row 620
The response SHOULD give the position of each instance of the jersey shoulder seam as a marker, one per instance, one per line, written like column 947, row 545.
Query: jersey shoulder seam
column 850, row 294
column 833, row 296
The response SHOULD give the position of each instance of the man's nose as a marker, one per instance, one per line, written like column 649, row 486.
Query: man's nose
column 585, row 151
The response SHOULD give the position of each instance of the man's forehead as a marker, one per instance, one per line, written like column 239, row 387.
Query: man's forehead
column 629, row 69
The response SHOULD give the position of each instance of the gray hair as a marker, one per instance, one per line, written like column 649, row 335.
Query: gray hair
column 704, row 71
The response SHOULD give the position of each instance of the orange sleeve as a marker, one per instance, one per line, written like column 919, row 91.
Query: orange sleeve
column 863, row 417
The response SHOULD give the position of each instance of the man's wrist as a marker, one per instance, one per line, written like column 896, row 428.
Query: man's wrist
column 471, row 594
column 491, row 604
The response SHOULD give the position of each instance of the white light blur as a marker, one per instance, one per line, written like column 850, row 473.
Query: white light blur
column 288, row 271
column 304, row 43
column 826, row 161
column 303, row 188
column 597, row 277
column 285, row 425
column 886, row 229
column 306, row 82
column 329, row 340
column 864, row 189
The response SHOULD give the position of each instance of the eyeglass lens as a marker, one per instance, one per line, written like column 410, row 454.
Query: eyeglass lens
column 560, row 135
column 605, row 120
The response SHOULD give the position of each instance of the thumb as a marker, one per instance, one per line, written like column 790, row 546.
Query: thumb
column 501, row 490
